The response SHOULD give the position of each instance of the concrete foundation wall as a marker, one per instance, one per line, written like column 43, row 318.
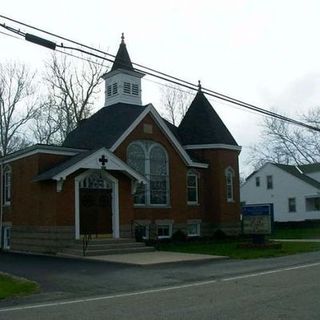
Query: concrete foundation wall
column 42, row 239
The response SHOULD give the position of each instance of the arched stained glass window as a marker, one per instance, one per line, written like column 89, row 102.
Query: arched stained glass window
column 151, row 160
column 136, row 157
column 95, row 181
column 158, row 175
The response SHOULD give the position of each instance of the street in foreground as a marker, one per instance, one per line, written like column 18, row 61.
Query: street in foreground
column 286, row 288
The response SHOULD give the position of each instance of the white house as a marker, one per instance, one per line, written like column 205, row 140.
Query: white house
column 294, row 191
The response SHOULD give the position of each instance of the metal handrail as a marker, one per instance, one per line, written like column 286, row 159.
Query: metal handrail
column 85, row 242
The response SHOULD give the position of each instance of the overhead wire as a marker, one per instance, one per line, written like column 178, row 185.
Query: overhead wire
column 163, row 76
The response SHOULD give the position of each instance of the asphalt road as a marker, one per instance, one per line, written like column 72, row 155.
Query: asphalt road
column 280, row 288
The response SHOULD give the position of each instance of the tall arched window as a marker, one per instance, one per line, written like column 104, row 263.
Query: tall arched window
column 229, row 183
column 6, row 185
column 192, row 187
column 151, row 160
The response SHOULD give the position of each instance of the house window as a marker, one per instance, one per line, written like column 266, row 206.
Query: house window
column 257, row 181
column 194, row 229
column 6, row 237
column 143, row 231
column 115, row 88
column 192, row 187
column 269, row 182
column 151, row 160
column 6, row 185
column 127, row 87
column 229, row 183
column 292, row 204
column 313, row 204
column 164, row 231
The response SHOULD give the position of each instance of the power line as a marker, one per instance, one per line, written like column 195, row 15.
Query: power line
column 151, row 72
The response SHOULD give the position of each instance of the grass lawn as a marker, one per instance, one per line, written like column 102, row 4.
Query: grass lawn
column 297, row 233
column 231, row 249
column 13, row 287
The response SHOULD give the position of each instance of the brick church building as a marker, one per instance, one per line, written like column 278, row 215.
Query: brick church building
column 123, row 167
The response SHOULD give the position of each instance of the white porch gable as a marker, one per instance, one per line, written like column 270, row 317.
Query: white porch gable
column 100, row 159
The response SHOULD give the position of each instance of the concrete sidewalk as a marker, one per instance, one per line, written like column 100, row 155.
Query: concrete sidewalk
column 156, row 257
column 296, row 240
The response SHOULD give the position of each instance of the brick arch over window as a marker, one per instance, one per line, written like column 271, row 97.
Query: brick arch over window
column 229, row 173
column 150, row 159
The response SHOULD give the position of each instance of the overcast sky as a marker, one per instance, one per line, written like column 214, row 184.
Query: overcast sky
column 264, row 52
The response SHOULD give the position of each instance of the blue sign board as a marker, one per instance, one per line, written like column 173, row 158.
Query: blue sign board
column 257, row 218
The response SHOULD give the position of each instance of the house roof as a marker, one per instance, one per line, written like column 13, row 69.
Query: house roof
column 299, row 173
column 40, row 148
column 111, row 125
column 309, row 168
column 49, row 174
column 105, row 127
column 202, row 125
column 122, row 59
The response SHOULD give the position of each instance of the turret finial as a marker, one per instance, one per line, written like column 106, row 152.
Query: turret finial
column 122, row 37
column 199, row 85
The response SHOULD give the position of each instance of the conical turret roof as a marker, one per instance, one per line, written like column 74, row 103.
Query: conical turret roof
column 202, row 125
column 122, row 59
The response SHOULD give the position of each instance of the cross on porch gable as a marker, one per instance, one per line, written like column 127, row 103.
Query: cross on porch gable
column 103, row 160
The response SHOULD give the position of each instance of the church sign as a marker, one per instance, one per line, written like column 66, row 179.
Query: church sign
column 256, row 219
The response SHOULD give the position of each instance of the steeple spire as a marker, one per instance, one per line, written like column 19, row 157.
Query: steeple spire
column 122, row 82
column 122, row 59
column 199, row 85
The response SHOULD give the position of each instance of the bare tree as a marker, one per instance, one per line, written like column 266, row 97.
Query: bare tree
column 284, row 143
column 72, row 90
column 175, row 102
column 17, row 106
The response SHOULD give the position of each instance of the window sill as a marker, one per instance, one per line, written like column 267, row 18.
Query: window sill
column 5, row 205
column 153, row 206
column 193, row 204
column 164, row 237
column 193, row 235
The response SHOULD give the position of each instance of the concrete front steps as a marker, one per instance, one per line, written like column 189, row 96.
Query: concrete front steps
column 101, row 247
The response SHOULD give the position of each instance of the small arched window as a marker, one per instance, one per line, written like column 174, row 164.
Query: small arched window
column 192, row 187
column 151, row 160
column 229, row 183
column 6, row 185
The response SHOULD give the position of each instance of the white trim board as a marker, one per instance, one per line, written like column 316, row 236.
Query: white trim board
column 91, row 162
column 44, row 150
column 212, row 146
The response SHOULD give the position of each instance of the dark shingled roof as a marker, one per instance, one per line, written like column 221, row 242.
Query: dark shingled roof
column 49, row 174
column 122, row 60
column 202, row 125
column 104, row 128
column 309, row 168
column 297, row 173
column 173, row 129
